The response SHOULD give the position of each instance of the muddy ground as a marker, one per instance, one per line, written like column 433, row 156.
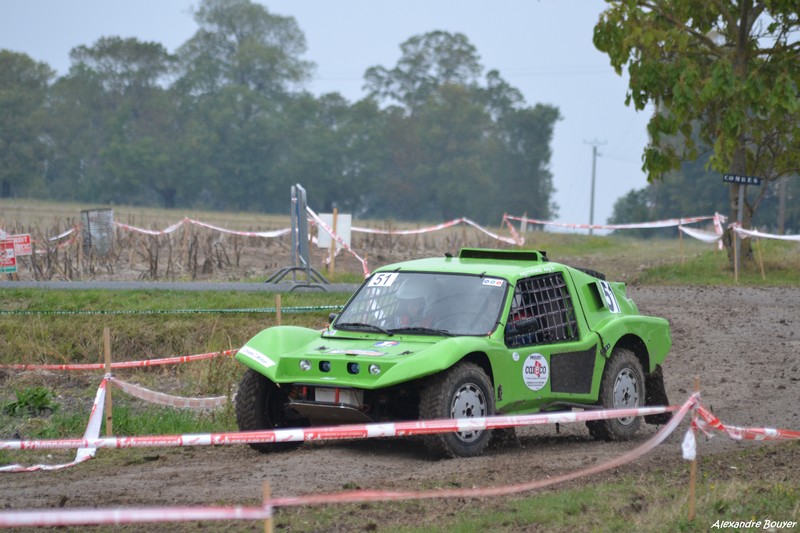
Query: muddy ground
column 743, row 344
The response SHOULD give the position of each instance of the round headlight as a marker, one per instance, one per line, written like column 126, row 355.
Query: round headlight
column 305, row 365
column 374, row 370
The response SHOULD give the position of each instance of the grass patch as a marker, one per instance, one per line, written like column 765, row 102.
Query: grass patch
column 130, row 420
column 654, row 501
column 166, row 327
column 781, row 267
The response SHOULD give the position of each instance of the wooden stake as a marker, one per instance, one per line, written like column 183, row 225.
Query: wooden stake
column 107, row 355
column 735, row 258
column 760, row 259
column 680, row 242
column 693, row 468
column 267, row 498
column 278, row 317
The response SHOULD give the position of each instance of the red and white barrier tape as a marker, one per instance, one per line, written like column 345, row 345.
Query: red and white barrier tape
column 186, row 220
column 638, row 225
column 126, row 364
column 489, row 233
column 351, row 431
column 437, row 227
column 744, row 233
column 338, row 239
column 62, row 517
column 417, row 231
column 707, row 420
column 75, row 517
column 160, row 398
column 519, row 240
column 700, row 235
column 84, row 453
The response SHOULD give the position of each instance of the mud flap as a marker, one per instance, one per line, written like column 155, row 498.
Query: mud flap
column 656, row 394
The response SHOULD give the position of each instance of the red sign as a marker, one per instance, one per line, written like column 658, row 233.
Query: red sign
column 22, row 244
column 8, row 259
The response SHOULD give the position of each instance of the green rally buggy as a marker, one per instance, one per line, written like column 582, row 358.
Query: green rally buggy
column 487, row 332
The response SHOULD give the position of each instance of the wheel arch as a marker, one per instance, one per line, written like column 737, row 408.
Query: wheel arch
column 635, row 344
column 482, row 360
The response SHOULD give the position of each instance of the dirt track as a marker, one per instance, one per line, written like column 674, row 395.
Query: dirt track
column 743, row 343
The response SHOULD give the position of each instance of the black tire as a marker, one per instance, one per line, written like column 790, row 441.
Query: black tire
column 464, row 391
column 622, row 386
column 260, row 405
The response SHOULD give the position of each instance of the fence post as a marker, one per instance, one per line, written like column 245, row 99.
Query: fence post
column 332, row 264
column 107, row 356
column 267, row 498
column 693, row 465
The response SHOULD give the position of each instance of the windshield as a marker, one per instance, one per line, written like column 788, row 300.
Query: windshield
column 426, row 304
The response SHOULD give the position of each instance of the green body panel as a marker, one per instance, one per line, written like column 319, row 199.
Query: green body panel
column 401, row 357
column 518, row 397
column 525, row 378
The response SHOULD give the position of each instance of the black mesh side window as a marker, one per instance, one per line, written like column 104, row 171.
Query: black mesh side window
column 541, row 313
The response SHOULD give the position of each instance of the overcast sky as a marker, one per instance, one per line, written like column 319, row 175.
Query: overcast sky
column 542, row 47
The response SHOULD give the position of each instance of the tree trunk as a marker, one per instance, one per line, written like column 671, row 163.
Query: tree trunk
column 739, row 167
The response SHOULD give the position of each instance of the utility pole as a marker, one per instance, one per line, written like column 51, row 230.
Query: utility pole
column 595, row 143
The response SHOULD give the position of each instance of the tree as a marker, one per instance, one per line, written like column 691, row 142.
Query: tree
column 335, row 149
column 23, row 91
column 117, row 127
column 238, row 73
column 428, row 62
column 523, row 163
column 728, row 68
column 240, row 43
column 460, row 143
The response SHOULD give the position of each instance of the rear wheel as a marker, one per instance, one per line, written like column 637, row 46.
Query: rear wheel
column 464, row 391
column 260, row 405
column 622, row 386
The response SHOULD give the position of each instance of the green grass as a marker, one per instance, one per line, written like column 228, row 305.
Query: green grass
column 655, row 501
column 49, row 338
column 780, row 260
column 154, row 420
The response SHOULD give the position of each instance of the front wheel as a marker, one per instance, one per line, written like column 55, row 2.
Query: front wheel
column 622, row 387
column 260, row 405
column 464, row 391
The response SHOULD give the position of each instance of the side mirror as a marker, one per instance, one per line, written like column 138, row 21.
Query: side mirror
column 332, row 317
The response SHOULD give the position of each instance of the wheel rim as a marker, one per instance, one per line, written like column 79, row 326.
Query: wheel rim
column 469, row 402
column 626, row 393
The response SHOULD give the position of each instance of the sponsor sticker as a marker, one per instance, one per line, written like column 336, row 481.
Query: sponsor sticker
column 370, row 353
column 493, row 282
column 535, row 372
column 386, row 344
column 257, row 356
